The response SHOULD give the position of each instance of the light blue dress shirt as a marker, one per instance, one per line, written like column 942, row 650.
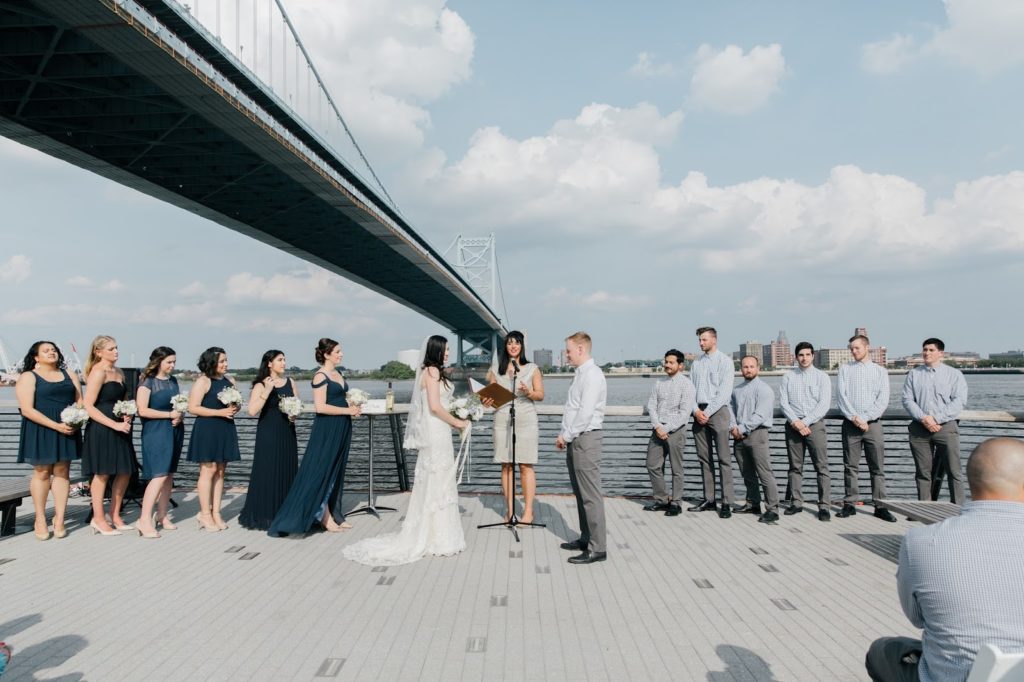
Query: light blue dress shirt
column 712, row 375
column 940, row 392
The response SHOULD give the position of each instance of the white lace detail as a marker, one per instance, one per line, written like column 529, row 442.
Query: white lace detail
column 432, row 523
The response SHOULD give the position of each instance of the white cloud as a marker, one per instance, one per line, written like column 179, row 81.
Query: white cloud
column 732, row 82
column 195, row 288
column 81, row 281
column 888, row 56
column 600, row 299
column 308, row 287
column 646, row 67
column 984, row 35
column 17, row 268
column 112, row 285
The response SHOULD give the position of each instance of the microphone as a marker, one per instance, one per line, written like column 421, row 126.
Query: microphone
column 515, row 364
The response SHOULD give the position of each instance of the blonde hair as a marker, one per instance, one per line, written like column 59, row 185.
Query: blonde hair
column 100, row 342
column 581, row 338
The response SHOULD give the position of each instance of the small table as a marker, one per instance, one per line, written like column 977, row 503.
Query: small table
column 371, row 507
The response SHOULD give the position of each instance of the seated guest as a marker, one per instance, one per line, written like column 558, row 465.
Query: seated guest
column 960, row 580
column 670, row 405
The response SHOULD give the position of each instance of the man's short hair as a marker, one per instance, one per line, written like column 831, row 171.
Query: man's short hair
column 710, row 330
column 861, row 337
column 581, row 338
column 934, row 342
column 803, row 345
column 680, row 358
column 755, row 358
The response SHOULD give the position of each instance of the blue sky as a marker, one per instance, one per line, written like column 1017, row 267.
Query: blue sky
column 646, row 169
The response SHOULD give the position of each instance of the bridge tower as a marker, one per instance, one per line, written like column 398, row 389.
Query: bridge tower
column 7, row 368
column 475, row 259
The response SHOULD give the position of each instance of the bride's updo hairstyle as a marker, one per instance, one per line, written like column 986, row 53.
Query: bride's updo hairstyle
column 324, row 348
column 434, row 355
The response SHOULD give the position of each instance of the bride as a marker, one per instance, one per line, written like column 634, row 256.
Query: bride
column 432, row 524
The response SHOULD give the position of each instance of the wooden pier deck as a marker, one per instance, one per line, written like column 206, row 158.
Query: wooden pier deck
column 692, row 597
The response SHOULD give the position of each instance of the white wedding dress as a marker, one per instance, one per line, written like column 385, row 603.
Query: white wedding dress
column 432, row 523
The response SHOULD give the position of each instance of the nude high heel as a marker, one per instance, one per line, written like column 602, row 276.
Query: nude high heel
column 97, row 530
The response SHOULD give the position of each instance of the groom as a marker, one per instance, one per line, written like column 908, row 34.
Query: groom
column 580, row 434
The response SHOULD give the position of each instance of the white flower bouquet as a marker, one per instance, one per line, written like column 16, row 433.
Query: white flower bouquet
column 230, row 396
column 291, row 406
column 356, row 397
column 467, row 407
column 179, row 403
column 125, row 408
column 74, row 415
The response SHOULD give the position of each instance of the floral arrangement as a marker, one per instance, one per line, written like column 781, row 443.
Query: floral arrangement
column 291, row 406
column 74, row 415
column 467, row 407
column 179, row 403
column 356, row 397
column 125, row 408
column 230, row 396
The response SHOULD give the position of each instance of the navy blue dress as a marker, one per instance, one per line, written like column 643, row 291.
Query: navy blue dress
column 106, row 451
column 39, row 445
column 275, row 459
column 161, row 442
column 214, row 439
column 321, row 476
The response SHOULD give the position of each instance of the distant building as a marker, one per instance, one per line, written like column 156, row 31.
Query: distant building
column 1008, row 356
column 878, row 355
column 563, row 359
column 755, row 348
column 543, row 357
column 778, row 353
column 830, row 358
column 959, row 358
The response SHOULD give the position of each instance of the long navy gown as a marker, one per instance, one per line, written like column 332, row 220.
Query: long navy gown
column 275, row 460
column 321, row 476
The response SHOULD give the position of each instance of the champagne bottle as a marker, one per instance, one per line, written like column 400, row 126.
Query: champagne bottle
column 389, row 399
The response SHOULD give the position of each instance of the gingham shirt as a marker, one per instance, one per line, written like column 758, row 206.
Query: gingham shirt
column 712, row 374
column 940, row 392
column 671, row 402
column 960, row 581
column 863, row 390
column 752, row 405
column 805, row 395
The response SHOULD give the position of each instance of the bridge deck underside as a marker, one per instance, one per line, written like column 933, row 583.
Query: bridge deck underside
column 102, row 95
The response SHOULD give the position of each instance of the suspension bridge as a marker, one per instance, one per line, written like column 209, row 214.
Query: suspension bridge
column 219, row 109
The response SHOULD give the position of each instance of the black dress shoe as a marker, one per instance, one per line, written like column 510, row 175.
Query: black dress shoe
column 725, row 512
column 749, row 509
column 847, row 511
column 673, row 510
column 657, row 506
column 768, row 517
column 885, row 515
column 824, row 515
column 575, row 545
column 588, row 557
column 792, row 509
column 706, row 505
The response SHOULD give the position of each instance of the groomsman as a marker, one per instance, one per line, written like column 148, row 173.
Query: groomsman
column 712, row 374
column 805, row 397
column 935, row 394
column 670, row 405
column 750, row 417
column 863, row 396
column 580, row 436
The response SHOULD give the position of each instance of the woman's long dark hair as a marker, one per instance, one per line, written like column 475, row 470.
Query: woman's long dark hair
column 29, row 363
column 264, row 371
column 208, row 360
column 503, row 351
column 156, row 358
column 434, row 355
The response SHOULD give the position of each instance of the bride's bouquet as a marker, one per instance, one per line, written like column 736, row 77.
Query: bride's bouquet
column 291, row 405
column 125, row 408
column 356, row 397
column 74, row 415
column 179, row 403
column 467, row 407
column 230, row 396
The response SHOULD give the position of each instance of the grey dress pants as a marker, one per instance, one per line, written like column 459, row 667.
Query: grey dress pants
column 715, row 434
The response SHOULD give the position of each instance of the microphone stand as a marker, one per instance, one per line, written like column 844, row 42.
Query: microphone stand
column 513, row 522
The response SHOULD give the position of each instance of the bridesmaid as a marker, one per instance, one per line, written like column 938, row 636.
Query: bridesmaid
column 529, row 389
column 163, row 435
column 43, row 390
column 108, row 449
column 315, row 496
column 276, row 453
column 214, row 439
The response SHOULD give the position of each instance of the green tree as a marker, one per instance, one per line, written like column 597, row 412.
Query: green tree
column 394, row 370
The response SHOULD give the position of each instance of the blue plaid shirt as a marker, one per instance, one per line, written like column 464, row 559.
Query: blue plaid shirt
column 863, row 390
column 805, row 395
column 940, row 392
column 712, row 374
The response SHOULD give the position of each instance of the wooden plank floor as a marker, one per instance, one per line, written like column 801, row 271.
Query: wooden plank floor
column 693, row 597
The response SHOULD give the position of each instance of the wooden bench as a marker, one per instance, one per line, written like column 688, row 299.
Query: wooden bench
column 925, row 512
column 12, row 492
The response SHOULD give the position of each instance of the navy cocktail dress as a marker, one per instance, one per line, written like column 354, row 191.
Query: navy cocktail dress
column 106, row 451
column 214, row 439
column 321, row 475
column 161, row 442
column 39, row 445
column 275, row 460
